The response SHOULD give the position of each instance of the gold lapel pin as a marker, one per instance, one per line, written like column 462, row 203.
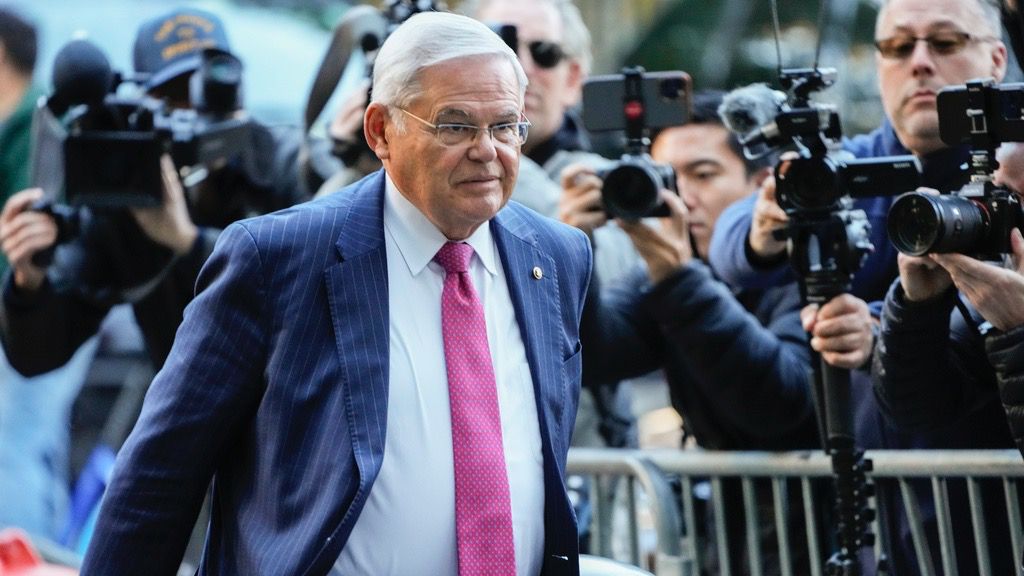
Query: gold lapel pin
column 537, row 273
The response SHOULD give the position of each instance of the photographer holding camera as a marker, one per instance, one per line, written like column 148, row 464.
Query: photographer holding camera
column 677, row 316
column 148, row 256
column 922, row 47
column 934, row 365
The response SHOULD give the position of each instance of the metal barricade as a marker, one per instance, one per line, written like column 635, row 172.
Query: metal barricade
column 678, row 550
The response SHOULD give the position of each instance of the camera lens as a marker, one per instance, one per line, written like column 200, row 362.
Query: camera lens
column 807, row 184
column 923, row 223
column 631, row 191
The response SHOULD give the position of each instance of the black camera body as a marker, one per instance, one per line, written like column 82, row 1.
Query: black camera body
column 636, row 102
column 810, row 184
column 977, row 219
column 113, row 146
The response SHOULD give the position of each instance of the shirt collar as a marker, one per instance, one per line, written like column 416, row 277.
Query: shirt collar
column 418, row 240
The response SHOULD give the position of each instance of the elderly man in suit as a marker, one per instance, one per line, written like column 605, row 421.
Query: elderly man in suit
column 383, row 381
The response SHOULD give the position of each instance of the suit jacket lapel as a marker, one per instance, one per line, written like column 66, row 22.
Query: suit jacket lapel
column 536, row 304
column 357, row 290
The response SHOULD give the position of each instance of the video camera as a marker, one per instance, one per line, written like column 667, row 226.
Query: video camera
column 977, row 219
column 828, row 240
column 113, row 143
column 636, row 102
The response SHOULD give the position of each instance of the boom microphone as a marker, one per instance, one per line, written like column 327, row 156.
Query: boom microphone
column 81, row 75
column 747, row 109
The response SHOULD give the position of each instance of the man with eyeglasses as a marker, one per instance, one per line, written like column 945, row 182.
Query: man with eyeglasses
column 383, row 381
column 922, row 46
column 952, row 340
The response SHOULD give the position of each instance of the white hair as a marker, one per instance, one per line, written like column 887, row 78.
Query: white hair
column 427, row 39
column 575, row 35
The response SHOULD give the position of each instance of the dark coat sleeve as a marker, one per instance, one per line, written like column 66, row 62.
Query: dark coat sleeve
column 753, row 369
column 1006, row 354
column 753, row 364
column 41, row 330
column 619, row 340
column 929, row 367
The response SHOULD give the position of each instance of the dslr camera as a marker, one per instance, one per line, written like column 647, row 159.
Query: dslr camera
column 977, row 219
column 636, row 102
column 828, row 238
column 113, row 143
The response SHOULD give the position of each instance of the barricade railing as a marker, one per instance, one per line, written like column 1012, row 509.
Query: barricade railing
column 678, row 549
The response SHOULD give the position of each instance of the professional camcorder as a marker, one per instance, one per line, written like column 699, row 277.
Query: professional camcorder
column 828, row 239
column 977, row 219
column 113, row 143
column 635, row 101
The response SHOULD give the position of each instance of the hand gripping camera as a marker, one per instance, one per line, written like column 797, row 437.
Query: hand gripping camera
column 828, row 239
column 977, row 219
column 635, row 101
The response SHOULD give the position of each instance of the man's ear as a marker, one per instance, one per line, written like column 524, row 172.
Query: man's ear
column 575, row 83
column 998, row 56
column 375, row 123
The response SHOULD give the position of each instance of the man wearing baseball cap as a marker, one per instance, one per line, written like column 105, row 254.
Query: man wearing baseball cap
column 42, row 322
column 169, row 48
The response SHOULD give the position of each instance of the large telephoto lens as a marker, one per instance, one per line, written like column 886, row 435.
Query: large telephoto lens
column 924, row 223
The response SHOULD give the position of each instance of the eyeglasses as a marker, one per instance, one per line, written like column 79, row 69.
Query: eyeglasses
column 900, row 47
column 507, row 133
column 546, row 54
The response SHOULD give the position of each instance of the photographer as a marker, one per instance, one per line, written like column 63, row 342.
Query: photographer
column 936, row 365
column 149, row 257
column 735, row 360
column 923, row 46
column 933, row 366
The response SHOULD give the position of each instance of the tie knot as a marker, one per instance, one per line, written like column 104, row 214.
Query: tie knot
column 454, row 257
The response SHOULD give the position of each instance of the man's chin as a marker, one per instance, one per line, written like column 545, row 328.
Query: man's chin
column 920, row 126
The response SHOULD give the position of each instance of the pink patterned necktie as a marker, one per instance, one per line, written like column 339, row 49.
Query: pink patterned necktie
column 483, row 510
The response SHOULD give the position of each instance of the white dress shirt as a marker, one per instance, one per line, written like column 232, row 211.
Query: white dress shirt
column 408, row 523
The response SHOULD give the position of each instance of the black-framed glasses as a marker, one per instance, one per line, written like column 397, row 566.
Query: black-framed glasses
column 901, row 46
column 546, row 54
column 507, row 133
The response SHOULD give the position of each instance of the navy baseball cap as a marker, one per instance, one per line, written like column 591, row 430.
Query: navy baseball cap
column 171, row 45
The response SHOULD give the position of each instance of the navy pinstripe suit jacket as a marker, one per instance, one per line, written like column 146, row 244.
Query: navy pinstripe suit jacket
column 277, row 389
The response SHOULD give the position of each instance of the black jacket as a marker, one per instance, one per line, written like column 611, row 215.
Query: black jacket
column 737, row 364
column 937, row 377
column 113, row 261
column 932, row 372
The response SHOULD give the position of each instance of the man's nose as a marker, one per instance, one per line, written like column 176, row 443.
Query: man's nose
column 483, row 147
column 686, row 192
column 921, row 59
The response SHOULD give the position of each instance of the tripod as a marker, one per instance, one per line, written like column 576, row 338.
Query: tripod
column 825, row 252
